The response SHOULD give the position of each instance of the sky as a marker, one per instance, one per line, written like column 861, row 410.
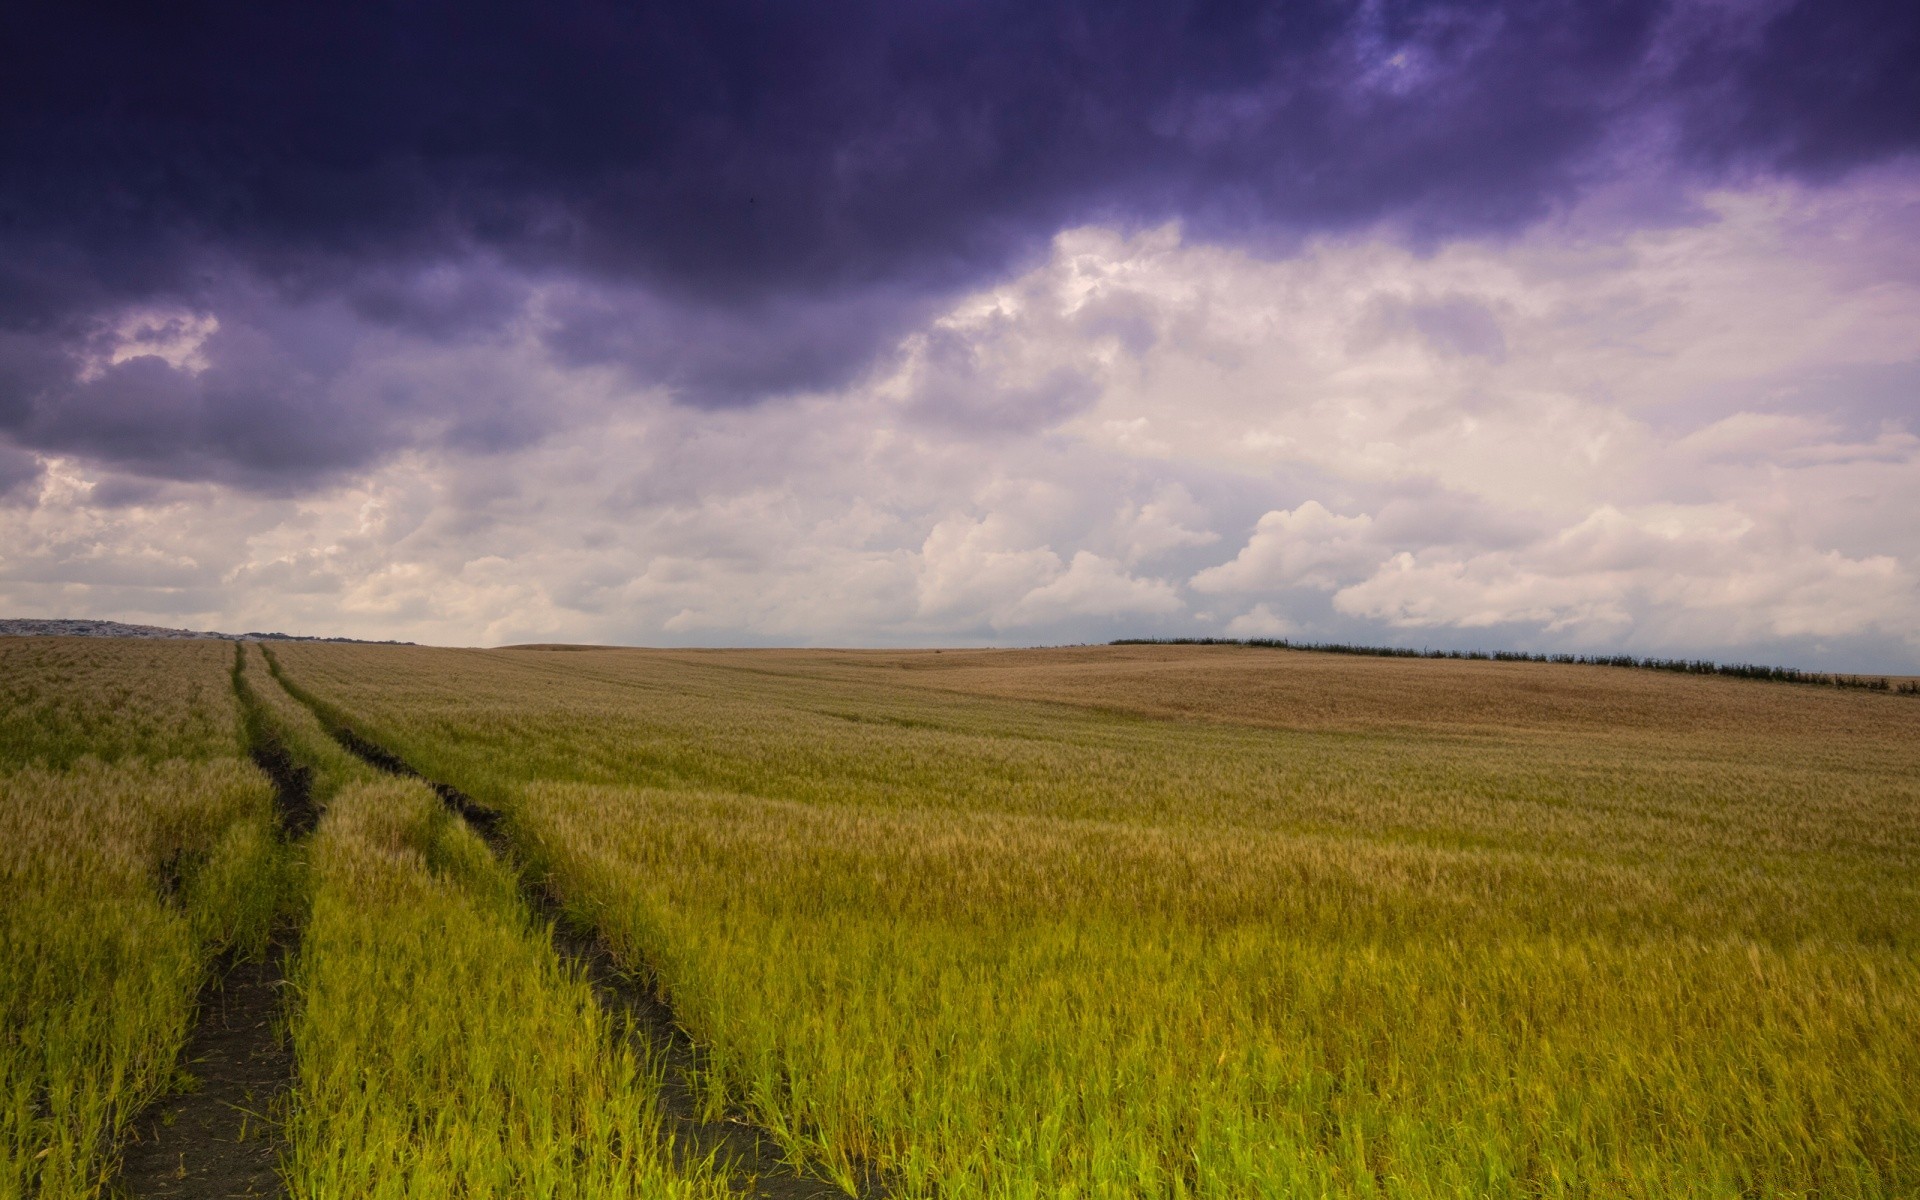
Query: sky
column 1585, row 327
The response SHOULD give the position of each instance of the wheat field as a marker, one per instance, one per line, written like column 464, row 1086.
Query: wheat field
column 135, row 846
column 1227, row 922
column 1136, row 921
column 443, row 1049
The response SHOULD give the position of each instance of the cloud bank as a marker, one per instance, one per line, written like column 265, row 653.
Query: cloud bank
column 1557, row 326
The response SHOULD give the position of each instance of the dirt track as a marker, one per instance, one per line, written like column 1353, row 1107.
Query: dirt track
column 223, row 1138
column 750, row 1154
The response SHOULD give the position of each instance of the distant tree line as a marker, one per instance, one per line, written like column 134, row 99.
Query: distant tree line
column 1684, row 666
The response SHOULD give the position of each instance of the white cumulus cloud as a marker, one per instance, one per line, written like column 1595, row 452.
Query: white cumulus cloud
column 1696, row 437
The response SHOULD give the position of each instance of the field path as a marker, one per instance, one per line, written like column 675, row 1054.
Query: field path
column 224, row 1138
column 750, row 1155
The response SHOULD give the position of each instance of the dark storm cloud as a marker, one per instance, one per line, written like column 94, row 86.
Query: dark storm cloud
column 19, row 472
column 727, row 150
column 1817, row 90
column 723, row 354
column 260, row 413
column 739, row 200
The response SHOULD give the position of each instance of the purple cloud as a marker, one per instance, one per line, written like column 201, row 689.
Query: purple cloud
column 746, row 200
column 1585, row 325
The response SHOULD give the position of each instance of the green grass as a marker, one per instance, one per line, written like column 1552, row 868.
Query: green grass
column 277, row 715
column 1009, row 948
column 120, row 882
column 443, row 1050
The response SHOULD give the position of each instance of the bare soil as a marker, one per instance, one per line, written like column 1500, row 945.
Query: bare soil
column 223, row 1137
column 292, row 788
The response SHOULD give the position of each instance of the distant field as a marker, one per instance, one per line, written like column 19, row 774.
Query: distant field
column 1121, row 921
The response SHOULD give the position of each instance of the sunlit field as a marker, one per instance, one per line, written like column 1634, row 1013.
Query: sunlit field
column 1166, row 921
column 1144, row 921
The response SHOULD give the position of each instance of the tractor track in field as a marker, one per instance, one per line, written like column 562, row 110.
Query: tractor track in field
column 225, row 1137
column 750, row 1154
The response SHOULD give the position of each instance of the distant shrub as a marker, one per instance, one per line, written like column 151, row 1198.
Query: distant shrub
column 1684, row 666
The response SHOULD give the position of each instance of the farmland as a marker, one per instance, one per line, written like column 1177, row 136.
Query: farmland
column 135, row 847
column 1126, row 921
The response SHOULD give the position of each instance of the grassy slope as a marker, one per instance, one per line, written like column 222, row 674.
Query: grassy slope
column 1349, row 927
column 135, row 844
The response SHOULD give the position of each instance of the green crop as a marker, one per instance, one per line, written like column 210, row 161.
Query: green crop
column 1183, row 921
column 443, row 1049
column 1117, row 923
column 120, row 882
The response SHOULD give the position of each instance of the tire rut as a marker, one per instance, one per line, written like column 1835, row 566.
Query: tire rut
column 750, row 1154
column 225, row 1137
column 292, row 786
